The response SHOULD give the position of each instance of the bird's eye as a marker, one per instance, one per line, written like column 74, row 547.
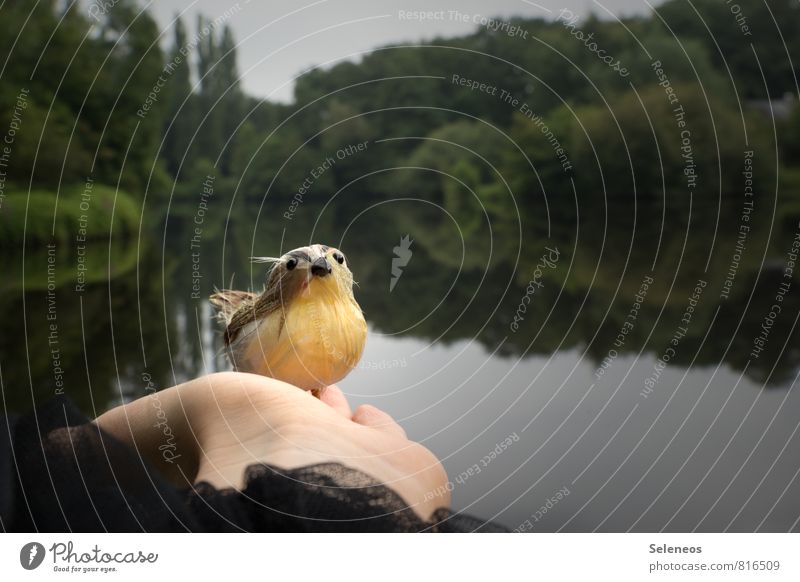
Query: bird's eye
column 339, row 258
column 291, row 264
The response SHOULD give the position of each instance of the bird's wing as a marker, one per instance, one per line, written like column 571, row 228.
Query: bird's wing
column 252, row 309
column 281, row 289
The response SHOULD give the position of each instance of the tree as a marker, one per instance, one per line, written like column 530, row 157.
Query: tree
column 180, row 121
column 720, row 24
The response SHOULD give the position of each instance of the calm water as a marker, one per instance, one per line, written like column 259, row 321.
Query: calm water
column 527, row 350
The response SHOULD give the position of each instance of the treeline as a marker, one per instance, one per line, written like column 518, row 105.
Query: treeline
column 105, row 101
column 552, row 94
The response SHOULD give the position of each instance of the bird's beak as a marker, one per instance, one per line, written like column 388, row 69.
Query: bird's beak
column 320, row 267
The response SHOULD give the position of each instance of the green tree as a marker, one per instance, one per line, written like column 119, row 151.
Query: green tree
column 180, row 120
column 769, row 26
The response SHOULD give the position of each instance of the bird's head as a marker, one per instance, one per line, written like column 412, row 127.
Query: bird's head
column 313, row 269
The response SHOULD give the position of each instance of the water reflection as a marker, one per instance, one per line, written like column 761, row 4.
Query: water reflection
column 444, row 358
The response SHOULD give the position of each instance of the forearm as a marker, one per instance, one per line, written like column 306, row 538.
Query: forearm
column 159, row 429
column 177, row 429
column 212, row 428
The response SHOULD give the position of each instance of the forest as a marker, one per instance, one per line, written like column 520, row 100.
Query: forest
column 87, row 76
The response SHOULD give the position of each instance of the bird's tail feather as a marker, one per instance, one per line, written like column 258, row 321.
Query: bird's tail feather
column 227, row 301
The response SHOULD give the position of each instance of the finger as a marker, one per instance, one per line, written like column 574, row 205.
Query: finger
column 368, row 415
column 335, row 398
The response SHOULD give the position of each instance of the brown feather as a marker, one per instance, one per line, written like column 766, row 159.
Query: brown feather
column 227, row 301
column 238, row 308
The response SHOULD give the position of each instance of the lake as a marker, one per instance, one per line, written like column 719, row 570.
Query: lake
column 578, row 364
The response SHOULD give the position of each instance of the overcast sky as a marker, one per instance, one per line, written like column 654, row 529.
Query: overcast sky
column 278, row 39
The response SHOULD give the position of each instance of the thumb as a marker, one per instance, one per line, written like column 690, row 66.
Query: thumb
column 368, row 415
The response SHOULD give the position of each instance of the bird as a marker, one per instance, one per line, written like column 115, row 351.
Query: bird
column 304, row 328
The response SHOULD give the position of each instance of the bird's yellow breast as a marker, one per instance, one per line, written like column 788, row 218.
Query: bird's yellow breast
column 312, row 343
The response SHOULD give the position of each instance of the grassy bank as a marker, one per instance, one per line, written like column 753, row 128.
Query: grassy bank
column 81, row 210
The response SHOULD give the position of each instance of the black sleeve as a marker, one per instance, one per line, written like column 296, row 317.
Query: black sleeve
column 64, row 474
column 60, row 473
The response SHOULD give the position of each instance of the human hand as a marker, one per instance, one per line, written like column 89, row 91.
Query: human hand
column 223, row 423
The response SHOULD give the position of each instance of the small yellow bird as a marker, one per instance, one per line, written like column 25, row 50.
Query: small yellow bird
column 305, row 328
